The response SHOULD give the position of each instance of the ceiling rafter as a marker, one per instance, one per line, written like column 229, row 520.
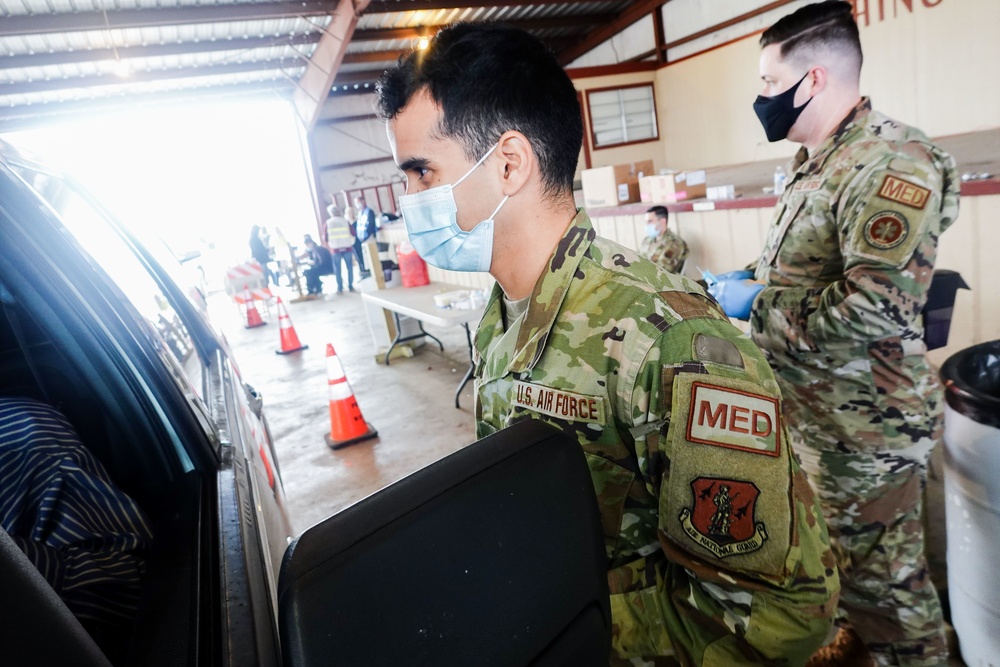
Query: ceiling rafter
column 153, row 51
column 313, row 86
column 98, row 80
column 630, row 15
column 125, row 19
column 393, row 6
column 545, row 23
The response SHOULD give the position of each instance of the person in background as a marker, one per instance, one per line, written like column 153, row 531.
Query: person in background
column 260, row 251
column 677, row 412
column 320, row 264
column 367, row 223
column 85, row 536
column 351, row 214
column 660, row 245
column 836, row 306
column 341, row 242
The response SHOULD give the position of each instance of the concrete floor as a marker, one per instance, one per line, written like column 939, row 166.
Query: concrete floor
column 410, row 403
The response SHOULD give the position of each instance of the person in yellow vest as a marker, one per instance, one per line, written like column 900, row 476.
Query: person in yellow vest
column 340, row 240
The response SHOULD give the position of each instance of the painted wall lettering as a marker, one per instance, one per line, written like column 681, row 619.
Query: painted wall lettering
column 875, row 11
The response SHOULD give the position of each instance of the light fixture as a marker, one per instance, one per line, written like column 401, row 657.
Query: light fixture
column 423, row 43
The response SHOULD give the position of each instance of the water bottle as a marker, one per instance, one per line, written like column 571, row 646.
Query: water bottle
column 779, row 180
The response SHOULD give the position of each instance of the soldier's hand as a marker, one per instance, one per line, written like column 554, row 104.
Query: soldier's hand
column 735, row 296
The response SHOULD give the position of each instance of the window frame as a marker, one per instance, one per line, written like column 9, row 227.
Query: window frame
column 590, row 116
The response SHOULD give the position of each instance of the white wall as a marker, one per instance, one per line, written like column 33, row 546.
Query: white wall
column 724, row 240
column 934, row 68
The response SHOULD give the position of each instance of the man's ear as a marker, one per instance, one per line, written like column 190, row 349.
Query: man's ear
column 818, row 79
column 518, row 162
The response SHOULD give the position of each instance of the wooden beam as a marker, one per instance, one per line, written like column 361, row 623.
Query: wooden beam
column 124, row 19
column 347, row 119
column 370, row 57
column 634, row 12
column 659, row 37
column 726, row 24
column 314, row 85
column 544, row 23
column 610, row 70
column 392, row 6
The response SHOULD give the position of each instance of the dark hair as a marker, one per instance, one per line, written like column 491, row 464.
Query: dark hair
column 659, row 211
column 827, row 25
column 489, row 78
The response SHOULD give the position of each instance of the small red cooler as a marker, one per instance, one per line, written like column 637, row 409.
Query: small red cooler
column 412, row 268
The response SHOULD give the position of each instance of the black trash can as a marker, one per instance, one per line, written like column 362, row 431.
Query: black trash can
column 972, row 497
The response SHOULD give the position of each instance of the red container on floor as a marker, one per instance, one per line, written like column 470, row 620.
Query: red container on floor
column 412, row 269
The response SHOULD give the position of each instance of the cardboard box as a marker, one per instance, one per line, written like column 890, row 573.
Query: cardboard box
column 613, row 185
column 669, row 188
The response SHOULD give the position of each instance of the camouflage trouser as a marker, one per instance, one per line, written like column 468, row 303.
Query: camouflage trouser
column 873, row 506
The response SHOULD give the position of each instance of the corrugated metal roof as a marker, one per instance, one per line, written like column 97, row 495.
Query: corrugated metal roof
column 56, row 52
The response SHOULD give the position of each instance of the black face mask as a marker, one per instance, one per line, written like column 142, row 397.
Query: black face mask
column 777, row 114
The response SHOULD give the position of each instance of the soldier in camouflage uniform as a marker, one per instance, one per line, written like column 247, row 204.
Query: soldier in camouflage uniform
column 661, row 246
column 678, row 414
column 844, row 274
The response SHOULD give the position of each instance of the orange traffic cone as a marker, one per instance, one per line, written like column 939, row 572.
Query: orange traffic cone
column 253, row 317
column 289, row 339
column 347, row 426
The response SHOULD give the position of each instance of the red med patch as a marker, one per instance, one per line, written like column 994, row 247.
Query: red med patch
column 903, row 192
column 734, row 419
column 722, row 517
column 886, row 230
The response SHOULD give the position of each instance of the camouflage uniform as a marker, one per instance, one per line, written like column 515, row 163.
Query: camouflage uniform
column 847, row 264
column 666, row 250
column 670, row 404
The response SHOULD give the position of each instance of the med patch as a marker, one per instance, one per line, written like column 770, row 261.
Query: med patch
column 721, row 517
column 724, row 417
column 886, row 230
column 903, row 192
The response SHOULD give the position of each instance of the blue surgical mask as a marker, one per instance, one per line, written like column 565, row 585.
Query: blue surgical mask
column 651, row 230
column 432, row 223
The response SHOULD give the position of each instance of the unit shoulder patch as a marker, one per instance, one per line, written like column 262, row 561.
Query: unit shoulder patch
column 559, row 403
column 734, row 419
column 721, row 518
column 903, row 192
column 886, row 230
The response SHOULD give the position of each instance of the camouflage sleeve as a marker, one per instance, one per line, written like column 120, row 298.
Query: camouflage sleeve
column 755, row 572
column 888, row 219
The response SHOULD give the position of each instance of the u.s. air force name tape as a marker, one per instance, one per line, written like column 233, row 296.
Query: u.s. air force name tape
column 558, row 403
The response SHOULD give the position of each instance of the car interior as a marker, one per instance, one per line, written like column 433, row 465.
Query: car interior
column 48, row 352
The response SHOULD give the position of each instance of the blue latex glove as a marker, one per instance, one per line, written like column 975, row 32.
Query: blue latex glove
column 711, row 279
column 735, row 296
column 742, row 274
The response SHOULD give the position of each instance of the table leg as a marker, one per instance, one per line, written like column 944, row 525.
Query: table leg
column 400, row 338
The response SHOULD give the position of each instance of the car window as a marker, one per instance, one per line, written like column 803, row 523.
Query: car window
column 110, row 251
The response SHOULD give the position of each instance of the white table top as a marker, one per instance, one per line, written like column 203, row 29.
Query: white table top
column 418, row 303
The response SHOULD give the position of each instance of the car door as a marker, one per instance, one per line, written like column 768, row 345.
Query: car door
column 201, row 444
